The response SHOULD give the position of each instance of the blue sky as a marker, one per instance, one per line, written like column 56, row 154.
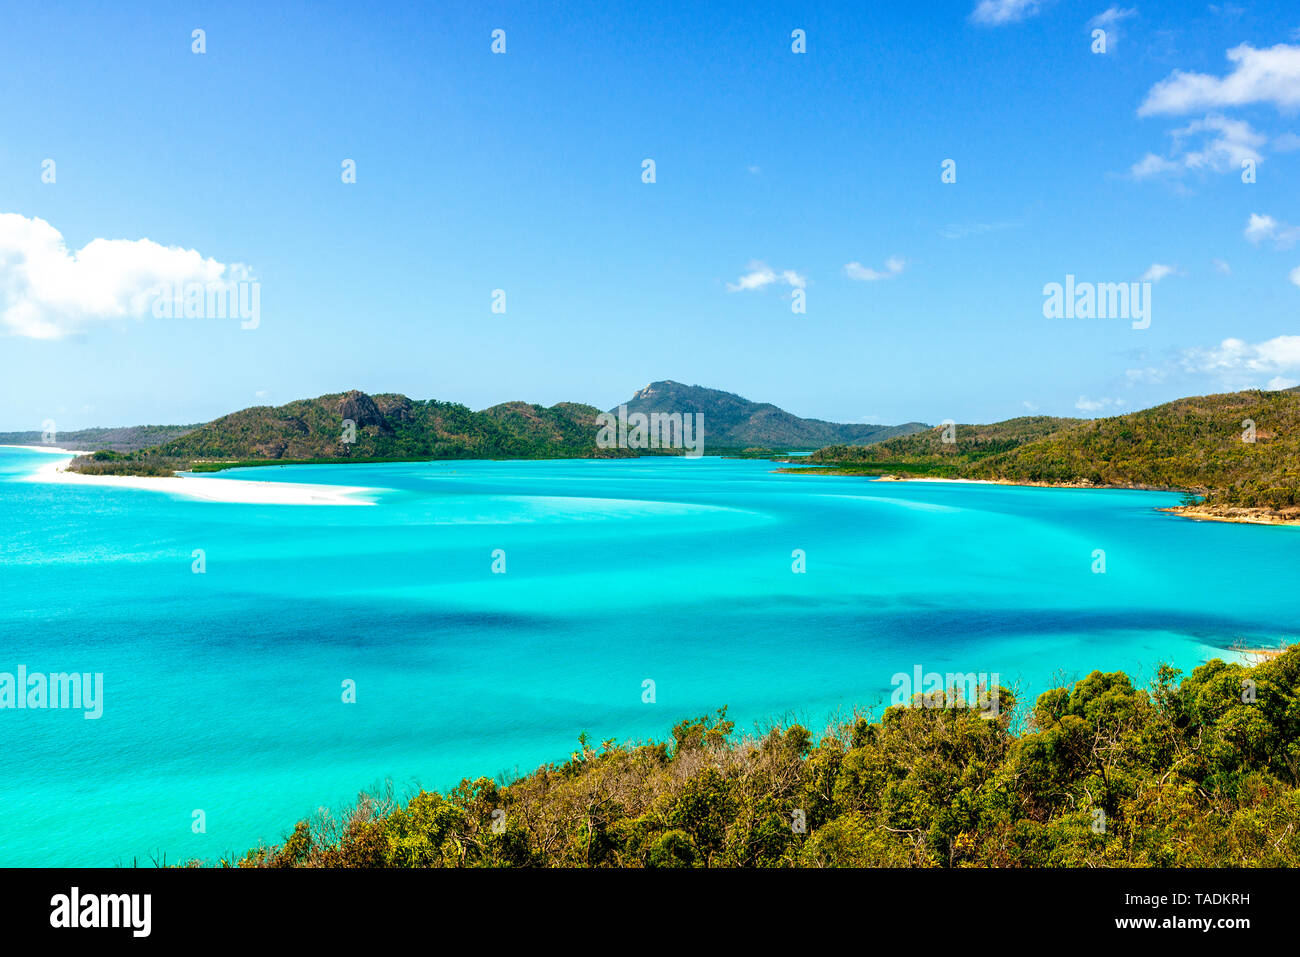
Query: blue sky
column 478, row 171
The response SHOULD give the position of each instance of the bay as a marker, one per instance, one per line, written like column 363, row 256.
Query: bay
column 223, row 690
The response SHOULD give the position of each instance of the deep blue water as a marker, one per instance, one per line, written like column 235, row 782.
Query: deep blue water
column 223, row 690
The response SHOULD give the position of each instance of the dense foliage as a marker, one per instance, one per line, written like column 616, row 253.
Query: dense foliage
column 734, row 422
column 1235, row 449
column 386, row 428
column 1199, row 773
column 1194, row 443
column 389, row 426
column 395, row 428
column 969, row 444
column 125, row 439
column 106, row 462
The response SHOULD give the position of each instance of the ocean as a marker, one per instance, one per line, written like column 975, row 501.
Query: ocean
column 487, row 613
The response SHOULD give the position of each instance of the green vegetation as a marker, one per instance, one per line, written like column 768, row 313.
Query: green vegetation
column 126, row 439
column 393, row 428
column 928, row 450
column 1101, row 774
column 1194, row 444
column 126, row 463
column 733, row 422
column 388, row 428
column 757, row 452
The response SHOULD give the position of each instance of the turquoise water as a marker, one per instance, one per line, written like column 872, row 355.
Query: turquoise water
column 223, row 690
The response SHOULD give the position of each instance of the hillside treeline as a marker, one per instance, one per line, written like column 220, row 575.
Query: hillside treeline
column 1199, row 772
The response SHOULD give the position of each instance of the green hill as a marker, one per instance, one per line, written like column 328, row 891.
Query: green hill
column 125, row 439
column 971, row 444
column 392, row 427
column 387, row 427
column 1196, row 444
column 734, row 422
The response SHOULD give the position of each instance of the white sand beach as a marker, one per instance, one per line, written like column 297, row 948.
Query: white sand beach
column 928, row 478
column 238, row 491
column 45, row 448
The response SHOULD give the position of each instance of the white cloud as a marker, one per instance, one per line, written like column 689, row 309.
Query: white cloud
column 1112, row 15
column 1242, row 364
column 1109, row 20
column 1085, row 404
column 1224, row 144
column 1295, row 275
column 994, row 13
column 760, row 275
column 1229, row 143
column 1221, row 267
column 1031, row 406
column 1286, row 143
column 1269, row 75
column 1259, row 228
column 893, row 266
column 1150, row 375
column 1262, row 227
column 1157, row 271
column 1278, row 383
column 48, row 291
column 1153, row 165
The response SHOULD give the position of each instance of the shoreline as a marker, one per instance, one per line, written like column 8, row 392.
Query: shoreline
column 230, row 491
column 1231, row 514
column 1255, row 656
column 895, row 477
column 55, row 449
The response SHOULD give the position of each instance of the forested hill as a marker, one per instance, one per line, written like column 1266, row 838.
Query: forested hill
column 1236, row 449
column 394, row 427
column 356, row 426
column 949, row 446
column 125, row 439
column 1240, row 448
column 731, row 421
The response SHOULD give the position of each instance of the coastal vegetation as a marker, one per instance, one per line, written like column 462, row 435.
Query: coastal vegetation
column 106, row 462
column 1236, row 456
column 1198, row 772
column 355, row 427
column 947, row 448
column 1235, row 452
column 734, row 422
column 126, row 439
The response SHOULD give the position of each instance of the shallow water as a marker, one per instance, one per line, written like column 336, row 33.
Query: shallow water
column 222, row 690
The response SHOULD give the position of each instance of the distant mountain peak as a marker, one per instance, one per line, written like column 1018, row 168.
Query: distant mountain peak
column 663, row 385
column 732, row 421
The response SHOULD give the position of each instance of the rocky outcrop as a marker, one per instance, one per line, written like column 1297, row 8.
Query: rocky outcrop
column 362, row 410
